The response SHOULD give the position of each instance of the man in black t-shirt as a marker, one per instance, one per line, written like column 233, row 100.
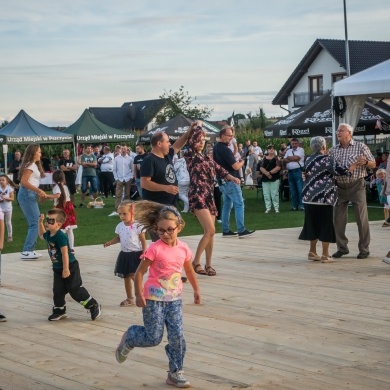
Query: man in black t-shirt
column 46, row 163
column 68, row 166
column 14, row 166
column 158, row 178
column 231, row 192
column 140, row 150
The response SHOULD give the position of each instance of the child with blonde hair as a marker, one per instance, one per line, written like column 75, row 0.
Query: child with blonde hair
column 7, row 187
column 130, row 234
column 381, row 185
column 161, row 295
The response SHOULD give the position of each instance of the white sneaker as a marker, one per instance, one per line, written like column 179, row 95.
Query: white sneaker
column 29, row 255
column 386, row 260
column 113, row 214
column 219, row 221
column 267, row 211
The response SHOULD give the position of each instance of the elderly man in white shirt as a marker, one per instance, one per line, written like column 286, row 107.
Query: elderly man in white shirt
column 295, row 162
column 123, row 175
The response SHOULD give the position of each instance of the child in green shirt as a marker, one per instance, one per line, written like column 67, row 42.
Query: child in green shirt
column 66, row 270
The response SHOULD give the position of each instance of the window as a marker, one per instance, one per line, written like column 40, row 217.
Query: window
column 338, row 77
column 316, row 84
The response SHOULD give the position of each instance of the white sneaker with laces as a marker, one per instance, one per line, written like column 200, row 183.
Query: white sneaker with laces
column 113, row 214
column 122, row 350
column 177, row 379
column 29, row 255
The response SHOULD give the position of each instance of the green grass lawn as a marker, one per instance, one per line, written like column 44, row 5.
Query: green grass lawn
column 95, row 227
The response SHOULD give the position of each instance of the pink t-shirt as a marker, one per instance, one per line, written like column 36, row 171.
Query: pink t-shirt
column 164, row 280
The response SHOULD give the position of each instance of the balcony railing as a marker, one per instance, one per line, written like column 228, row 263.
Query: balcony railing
column 303, row 98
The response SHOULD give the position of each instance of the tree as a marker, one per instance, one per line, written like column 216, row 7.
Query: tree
column 5, row 123
column 179, row 102
column 257, row 121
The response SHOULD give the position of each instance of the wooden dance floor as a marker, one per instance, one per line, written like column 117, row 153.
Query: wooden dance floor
column 270, row 319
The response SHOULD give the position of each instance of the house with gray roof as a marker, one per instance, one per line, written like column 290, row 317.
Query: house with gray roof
column 324, row 64
column 131, row 116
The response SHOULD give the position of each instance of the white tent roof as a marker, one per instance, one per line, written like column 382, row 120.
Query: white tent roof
column 374, row 82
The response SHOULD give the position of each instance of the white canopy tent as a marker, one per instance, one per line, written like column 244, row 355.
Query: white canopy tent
column 372, row 82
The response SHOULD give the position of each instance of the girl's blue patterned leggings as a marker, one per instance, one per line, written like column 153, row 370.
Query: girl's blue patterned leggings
column 156, row 314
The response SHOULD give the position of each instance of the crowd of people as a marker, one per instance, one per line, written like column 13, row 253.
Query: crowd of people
column 208, row 179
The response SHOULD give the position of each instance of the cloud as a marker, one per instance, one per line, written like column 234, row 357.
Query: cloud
column 61, row 57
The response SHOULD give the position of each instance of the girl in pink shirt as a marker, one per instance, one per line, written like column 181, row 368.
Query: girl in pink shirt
column 160, row 297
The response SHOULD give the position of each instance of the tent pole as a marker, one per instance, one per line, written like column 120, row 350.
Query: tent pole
column 334, row 124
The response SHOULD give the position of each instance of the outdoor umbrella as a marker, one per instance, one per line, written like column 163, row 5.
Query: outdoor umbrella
column 176, row 127
column 316, row 119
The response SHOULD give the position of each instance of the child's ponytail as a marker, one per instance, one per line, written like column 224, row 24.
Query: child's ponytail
column 149, row 214
column 59, row 178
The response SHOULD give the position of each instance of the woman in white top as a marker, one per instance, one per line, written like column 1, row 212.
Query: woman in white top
column 29, row 175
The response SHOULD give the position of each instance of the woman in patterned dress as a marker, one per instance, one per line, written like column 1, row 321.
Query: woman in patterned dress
column 202, row 170
column 319, row 196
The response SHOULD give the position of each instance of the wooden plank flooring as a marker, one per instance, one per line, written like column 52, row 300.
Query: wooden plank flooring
column 269, row 320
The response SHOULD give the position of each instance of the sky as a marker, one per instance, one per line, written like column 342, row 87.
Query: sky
column 58, row 58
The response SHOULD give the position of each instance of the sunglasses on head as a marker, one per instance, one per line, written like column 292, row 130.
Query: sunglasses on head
column 50, row 221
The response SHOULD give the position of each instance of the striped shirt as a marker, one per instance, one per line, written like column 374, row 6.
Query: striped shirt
column 349, row 155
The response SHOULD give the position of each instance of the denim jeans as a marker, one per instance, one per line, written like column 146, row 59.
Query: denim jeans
column 155, row 315
column 232, row 195
column 28, row 203
column 139, row 188
column 93, row 182
column 295, row 182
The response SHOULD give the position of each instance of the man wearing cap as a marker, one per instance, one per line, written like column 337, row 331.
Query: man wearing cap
column 294, row 159
column 351, row 189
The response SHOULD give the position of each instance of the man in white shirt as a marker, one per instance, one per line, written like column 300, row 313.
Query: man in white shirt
column 294, row 159
column 106, row 171
column 131, row 153
column 123, row 175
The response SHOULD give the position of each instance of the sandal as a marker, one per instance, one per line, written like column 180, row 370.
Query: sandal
column 313, row 256
column 200, row 271
column 127, row 302
column 327, row 259
column 210, row 270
